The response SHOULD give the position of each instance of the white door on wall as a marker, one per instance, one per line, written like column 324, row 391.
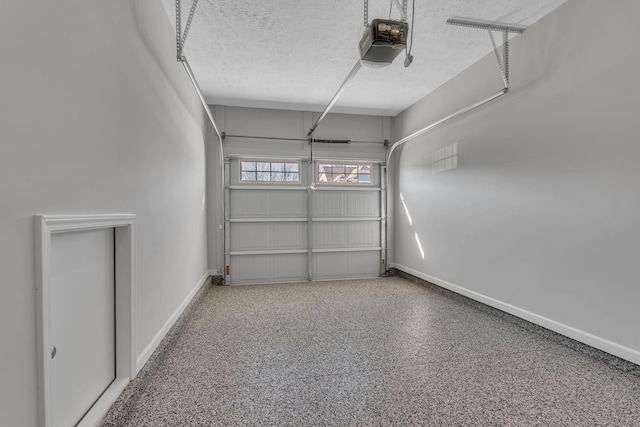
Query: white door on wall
column 82, row 321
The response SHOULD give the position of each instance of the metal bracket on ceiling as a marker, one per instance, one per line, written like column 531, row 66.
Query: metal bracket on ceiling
column 402, row 7
column 366, row 13
column 490, row 27
column 181, row 37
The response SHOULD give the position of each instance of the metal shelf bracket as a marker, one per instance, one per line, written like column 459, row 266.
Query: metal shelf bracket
column 491, row 26
column 181, row 37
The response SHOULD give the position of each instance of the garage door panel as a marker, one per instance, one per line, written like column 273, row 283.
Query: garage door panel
column 347, row 234
column 336, row 204
column 344, row 265
column 263, row 236
column 268, row 203
column 250, row 269
column 273, row 238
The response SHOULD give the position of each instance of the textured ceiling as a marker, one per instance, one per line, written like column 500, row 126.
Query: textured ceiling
column 295, row 54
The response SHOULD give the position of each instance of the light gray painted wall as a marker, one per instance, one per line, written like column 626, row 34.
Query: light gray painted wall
column 96, row 116
column 541, row 217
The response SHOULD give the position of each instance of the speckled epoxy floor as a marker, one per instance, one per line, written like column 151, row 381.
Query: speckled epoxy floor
column 385, row 351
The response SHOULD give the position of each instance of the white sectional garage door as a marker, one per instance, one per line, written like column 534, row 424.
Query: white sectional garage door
column 298, row 211
column 286, row 231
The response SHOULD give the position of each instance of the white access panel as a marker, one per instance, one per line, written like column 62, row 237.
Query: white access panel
column 82, row 321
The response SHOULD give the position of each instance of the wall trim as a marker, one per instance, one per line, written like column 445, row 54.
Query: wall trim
column 599, row 343
column 157, row 339
column 125, row 304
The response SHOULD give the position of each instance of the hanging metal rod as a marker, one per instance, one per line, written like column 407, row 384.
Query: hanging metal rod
column 504, row 70
column 402, row 8
column 181, row 38
column 343, row 86
column 180, row 41
column 187, row 26
column 482, row 24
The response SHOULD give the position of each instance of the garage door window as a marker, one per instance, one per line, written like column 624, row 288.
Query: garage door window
column 342, row 173
column 269, row 171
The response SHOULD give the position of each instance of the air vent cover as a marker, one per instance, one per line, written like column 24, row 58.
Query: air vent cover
column 383, row 40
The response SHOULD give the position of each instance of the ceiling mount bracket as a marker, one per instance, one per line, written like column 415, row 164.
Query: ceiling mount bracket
column 181, row 37
column 366, row 13
column 402, row 7
column 490, row 26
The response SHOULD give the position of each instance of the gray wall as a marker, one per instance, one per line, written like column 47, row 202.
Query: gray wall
column 96, row 117
column 541, row 217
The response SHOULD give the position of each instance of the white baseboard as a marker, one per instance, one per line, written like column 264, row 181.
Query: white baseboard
column 155, row 342
column 568, row 331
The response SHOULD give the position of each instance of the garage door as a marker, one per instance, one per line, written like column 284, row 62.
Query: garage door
column 292, row 220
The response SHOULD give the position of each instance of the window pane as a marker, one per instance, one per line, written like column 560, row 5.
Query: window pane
column 248, row 166
column 342, row 173
column 265, row 171
column 248, row 176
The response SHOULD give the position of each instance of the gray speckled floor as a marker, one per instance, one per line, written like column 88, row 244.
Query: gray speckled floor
column 385, row 351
